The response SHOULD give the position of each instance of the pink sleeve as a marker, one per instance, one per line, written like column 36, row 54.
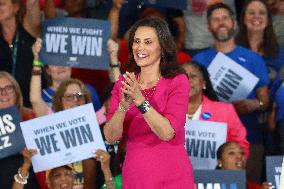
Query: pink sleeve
column 177, row 103
column 115, row 98
column 101, row 115
column 236, row 130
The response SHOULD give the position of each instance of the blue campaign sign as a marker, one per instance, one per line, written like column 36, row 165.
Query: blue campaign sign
column 76, row 42
column 222, row 179
column 177, row 4
column 11, row 138
column 273, row 170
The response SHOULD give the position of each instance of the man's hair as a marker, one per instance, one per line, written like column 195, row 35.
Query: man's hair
column 216, row 6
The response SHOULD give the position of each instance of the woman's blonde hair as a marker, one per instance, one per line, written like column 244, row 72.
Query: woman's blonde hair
column 57, row 98
column 19, row 96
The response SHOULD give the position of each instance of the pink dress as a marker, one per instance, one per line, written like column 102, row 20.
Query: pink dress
column 151, row 163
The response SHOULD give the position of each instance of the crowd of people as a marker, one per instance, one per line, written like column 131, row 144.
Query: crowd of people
column 158, row 81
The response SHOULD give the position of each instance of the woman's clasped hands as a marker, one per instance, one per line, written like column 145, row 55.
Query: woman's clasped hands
column 131, row 91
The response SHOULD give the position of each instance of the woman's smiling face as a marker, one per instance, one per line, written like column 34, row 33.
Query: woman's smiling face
column 232, row 157
column 256, row 16
column 73, row 97
column 146, row 47
column 7, row 93
column 8, row 10
column 61, row 178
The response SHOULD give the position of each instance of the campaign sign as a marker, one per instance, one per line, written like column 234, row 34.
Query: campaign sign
column 273, row 170
column 63, row 137
column 219, row 179
column 202, row 140
column 177, row 4
column 11, row 138
column 230, row 80
column 76, row 42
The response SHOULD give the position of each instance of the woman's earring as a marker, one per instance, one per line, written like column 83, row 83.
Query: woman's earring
column 204, row 87
column 220, row 165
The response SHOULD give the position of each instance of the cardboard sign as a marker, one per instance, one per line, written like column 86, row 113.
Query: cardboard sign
column 63, row 137
column 230, row 80
column 219, row 179
column 11, row 138
column 202, row 140
column 76, row 42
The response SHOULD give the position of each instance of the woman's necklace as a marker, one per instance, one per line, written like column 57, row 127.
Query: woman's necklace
column 196, row 114
column 148, row 93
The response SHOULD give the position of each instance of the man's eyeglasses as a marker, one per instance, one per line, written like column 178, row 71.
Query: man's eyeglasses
column 75, row 96
column 7, row 89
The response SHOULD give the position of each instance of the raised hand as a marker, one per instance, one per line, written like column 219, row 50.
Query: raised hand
column 113, row 48
column 28, row 154
column 104, row 158
column 36, row 48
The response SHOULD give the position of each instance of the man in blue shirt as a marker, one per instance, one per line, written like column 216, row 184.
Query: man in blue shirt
column 222, row 24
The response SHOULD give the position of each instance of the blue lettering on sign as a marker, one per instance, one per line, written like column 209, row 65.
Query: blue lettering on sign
column 229, row 83
column 201, row 148
column 77, row 136
column 47, row 144
column 219, row 73
column 71, row 138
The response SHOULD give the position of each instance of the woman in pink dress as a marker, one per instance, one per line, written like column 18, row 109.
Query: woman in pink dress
column 148, row 107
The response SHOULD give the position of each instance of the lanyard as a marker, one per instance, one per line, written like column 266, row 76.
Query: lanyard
column 14, row 54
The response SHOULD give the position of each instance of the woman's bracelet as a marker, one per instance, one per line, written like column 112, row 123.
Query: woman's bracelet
column 37, row 63
column 121, row 108
column 110, row 181
column 21, row 180
column 21, row 176
column 36, row 72
column 144, row 107
column 114, row 65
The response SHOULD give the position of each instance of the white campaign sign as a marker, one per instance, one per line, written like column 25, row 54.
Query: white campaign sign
column 230, row 80
column 202, row 139
column 63, row 137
